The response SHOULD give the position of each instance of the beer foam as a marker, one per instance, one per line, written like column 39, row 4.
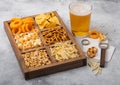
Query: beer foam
column 80, row 9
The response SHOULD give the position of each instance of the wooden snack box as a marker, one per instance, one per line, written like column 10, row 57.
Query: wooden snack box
column 50, row 68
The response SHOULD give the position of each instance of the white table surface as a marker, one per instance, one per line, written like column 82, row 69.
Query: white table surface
column 105, row 17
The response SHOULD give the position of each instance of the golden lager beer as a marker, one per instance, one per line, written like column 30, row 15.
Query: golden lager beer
column 80, row 14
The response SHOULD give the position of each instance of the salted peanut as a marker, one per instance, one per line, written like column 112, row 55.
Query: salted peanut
column 28, row 40
column 36, row 59
column 27, row 63
column 56, row 34
column 63, row 51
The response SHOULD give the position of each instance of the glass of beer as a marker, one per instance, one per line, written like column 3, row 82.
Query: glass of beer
column 80, row 14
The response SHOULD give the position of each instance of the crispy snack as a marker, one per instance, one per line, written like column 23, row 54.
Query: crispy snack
column 14, row 19
column 19, row 25
column 46, row 20
column 63, row 51
column 93, row 34
column 102, row 37
column 16, row 30
column 94, row 66
column 56, row 34
column 36, row 58
column 15, row 23
column 26, row 28
column 91, row 52
column 28, row 40
column 28, row 20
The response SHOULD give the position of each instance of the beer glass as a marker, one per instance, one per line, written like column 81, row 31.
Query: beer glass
column 80, row 14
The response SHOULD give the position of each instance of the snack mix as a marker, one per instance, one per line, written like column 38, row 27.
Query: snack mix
column 28, row 40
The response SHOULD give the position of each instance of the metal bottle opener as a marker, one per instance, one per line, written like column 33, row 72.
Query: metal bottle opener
column 103, row 47
column 85, row 42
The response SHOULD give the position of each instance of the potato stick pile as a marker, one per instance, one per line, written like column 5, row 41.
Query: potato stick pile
column 95, row 66
column 63, row 51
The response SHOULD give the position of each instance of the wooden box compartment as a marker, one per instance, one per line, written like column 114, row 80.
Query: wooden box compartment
column 54, row 66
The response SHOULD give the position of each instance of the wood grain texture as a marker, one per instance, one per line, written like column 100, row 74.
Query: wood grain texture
column 51, row 68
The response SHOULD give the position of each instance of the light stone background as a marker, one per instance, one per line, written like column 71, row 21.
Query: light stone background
column 105, row 17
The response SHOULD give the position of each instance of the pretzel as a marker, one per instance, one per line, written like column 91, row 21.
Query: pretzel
column 91, row 52
column 56, row 34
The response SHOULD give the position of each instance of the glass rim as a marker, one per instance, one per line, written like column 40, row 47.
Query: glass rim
column 83, row 2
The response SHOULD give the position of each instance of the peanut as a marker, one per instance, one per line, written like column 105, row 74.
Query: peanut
column 36, row 59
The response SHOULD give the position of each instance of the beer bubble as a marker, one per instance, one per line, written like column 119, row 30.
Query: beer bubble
column 80, row 9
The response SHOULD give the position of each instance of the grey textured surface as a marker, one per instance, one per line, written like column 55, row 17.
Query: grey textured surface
column 105, row 17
